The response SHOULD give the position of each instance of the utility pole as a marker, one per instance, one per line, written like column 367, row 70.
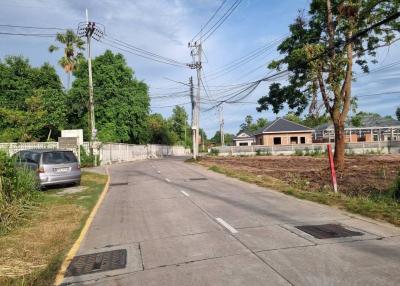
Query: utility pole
column 221, row 124
column 90, row 30
column 193, row 101
column 196, row 52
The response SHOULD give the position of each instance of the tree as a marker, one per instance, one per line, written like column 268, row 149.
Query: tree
column 320, row 52
column 73, row 47
column 122, row 102
column 248, row 121
column 249, row 126
column 398, row 113
column 159, row 131
column 32, row 101
column 228, row 138
column 179, row 124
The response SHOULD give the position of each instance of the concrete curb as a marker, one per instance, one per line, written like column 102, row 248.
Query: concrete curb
column 75, row 247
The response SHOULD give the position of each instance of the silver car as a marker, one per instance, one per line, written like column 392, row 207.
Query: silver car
column 54, row 167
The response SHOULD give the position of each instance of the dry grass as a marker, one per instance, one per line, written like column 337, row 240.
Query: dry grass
column 32, row 252
column 32, row 247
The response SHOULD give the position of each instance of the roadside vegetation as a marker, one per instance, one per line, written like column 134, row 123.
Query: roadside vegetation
column 33, row 249
column 369, row 185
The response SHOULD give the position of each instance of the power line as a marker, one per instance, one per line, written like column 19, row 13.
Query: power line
column 140, row 55
column 209, row 20
column 32, row 27
column 28, row 35
column 144, row 52
column 221, row 21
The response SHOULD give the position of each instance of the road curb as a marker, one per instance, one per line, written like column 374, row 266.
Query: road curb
column 75, row 247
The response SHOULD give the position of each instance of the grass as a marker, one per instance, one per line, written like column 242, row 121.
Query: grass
column 32, row 253
column 383, row 207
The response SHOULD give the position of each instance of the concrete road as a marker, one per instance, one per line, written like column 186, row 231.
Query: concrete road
column 184, row 225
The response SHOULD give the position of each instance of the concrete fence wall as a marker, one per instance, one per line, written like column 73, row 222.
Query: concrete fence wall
column 109, row 153
column 382, row 147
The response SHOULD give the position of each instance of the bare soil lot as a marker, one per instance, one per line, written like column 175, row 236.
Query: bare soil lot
column 366, row 174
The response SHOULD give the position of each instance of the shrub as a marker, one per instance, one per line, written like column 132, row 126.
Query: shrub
column 18, row 191
column 214, row 152
column 395, row 190
column 87, row 159
column 298, row 152
column 265, row 152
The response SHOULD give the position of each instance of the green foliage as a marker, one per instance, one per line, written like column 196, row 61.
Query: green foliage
column 18, row 192
column 160, row 131
column 228, row 138
column 320, row 59
column 32, row 102
column 263, row 152
column 179, row 125
column 73, row 47
column 298, row 152
column 250, row 126
column 214, row 152
column 395, row 190
column 87, row 159
column 121, row 101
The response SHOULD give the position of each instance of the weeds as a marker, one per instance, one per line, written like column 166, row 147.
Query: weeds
column 87, row 159
column 18, row 192
column 214, row 152
column 261, row 152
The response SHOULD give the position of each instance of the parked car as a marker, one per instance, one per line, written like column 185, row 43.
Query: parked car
column 53, row 167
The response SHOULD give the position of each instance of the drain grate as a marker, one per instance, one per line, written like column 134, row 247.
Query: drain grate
column 118, row 184
column 325, row 231
column 97, row 262
column 197, row 179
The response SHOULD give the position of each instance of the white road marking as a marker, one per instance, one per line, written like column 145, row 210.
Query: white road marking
column 226, row 225
column 186, row 194
column 159, row 172
column 168, row 180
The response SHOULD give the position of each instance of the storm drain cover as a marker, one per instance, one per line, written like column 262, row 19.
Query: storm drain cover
column 118, row 184
column 325, row 231
column 97, row 262
column 198, row 179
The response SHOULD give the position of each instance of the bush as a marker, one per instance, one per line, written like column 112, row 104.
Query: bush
column 260, row 152
column 87, row 159
column 395, row 190
column 298, row 152
column 18, row 191
column 214, row 152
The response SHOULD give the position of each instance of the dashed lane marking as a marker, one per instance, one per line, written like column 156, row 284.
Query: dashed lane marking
column 226, row 225
column 186, row 194
column 168, row 180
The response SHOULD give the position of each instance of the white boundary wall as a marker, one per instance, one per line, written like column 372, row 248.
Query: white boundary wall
column 382, row 147
column 109, row 153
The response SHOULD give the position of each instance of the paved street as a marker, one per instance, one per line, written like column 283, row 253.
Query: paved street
column 184, row 225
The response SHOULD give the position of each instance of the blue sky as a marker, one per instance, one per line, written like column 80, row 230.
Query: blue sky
column 165, row 27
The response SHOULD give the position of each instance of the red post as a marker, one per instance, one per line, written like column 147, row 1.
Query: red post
column 332, row 166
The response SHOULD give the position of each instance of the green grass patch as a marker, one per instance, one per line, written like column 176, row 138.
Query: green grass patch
column 52, row 228
column 383, row 206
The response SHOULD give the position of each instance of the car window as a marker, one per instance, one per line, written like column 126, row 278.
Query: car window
column 59, row 157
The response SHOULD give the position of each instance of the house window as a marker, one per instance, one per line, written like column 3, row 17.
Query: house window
column 277, row 141
column 260, row 141
column 303, row 140
column 294, row 140
column 243, row 144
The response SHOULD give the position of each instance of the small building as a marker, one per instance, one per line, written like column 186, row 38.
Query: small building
column 244, row 138
column 372, row 128
column 283, row 132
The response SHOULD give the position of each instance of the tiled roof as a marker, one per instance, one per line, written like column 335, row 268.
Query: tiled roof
column 283, row 125
column 366, row 121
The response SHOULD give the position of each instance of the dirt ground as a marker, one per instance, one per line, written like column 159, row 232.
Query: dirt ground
column 364, row 174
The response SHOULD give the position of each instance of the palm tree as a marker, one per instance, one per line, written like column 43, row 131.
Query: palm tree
column 70, row 59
